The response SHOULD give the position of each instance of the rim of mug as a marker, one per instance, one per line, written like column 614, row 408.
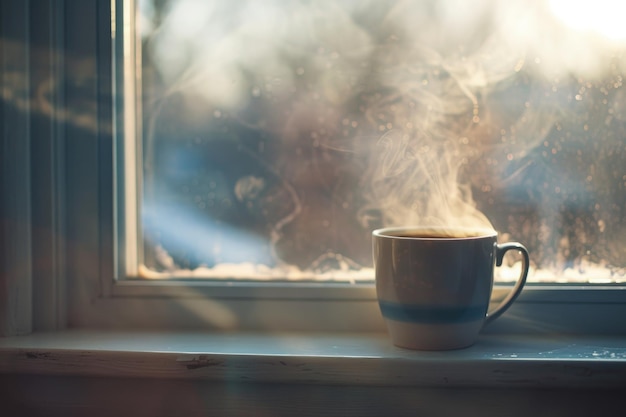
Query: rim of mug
column 474, row 232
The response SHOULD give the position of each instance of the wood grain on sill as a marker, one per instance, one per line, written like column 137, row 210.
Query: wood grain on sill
column 358, row 359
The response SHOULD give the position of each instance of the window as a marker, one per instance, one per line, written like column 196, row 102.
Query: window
column 275, row 137
column 123, row 144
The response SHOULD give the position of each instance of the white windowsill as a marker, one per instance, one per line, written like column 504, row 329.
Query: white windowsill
column 356, row 359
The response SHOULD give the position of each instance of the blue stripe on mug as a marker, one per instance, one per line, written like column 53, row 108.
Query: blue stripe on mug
column 431, row 315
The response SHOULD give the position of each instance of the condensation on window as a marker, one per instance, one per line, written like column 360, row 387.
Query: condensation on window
column 277, row 135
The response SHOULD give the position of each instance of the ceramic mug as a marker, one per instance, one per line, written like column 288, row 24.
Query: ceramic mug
column 434, row 284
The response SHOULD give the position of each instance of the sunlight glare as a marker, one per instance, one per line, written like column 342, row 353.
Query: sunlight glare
column 601, row 16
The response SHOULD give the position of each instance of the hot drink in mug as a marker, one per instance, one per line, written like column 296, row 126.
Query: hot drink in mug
column 434, row 284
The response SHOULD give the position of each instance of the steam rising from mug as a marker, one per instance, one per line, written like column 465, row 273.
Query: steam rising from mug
column 417, row 184
column 423, row 68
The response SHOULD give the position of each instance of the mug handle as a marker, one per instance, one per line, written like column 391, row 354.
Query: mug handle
column 501, row 249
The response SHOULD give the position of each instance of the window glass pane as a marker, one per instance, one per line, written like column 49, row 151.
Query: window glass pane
column 278, row 134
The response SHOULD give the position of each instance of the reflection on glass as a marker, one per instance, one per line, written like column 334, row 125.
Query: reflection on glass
column 277, row 135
